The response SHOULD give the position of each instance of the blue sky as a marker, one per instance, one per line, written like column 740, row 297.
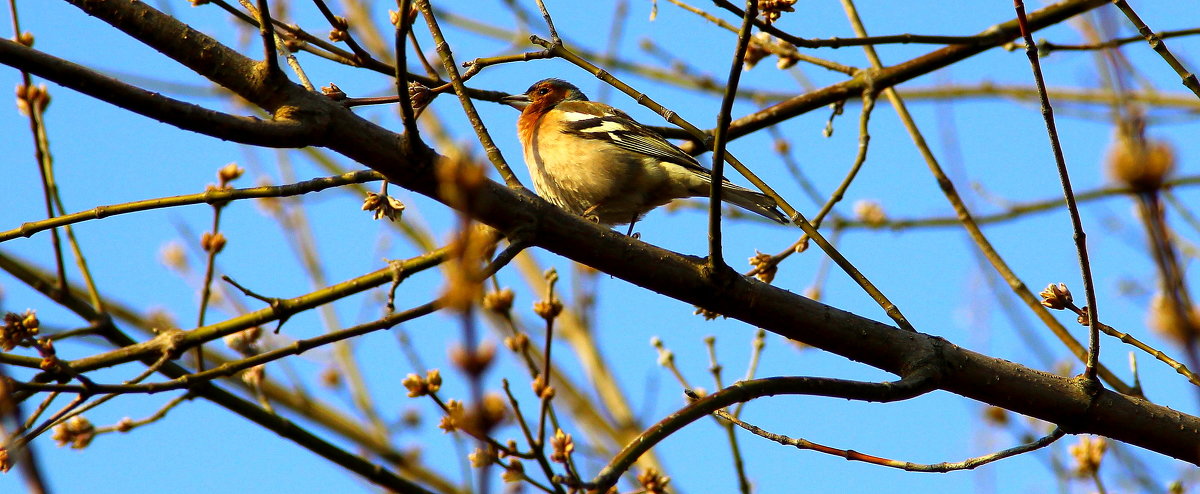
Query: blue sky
column 995, row 150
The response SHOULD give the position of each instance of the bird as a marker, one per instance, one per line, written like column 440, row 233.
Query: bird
column 596, row 161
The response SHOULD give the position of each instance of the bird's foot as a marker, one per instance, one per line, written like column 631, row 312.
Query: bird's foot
column 590, row 214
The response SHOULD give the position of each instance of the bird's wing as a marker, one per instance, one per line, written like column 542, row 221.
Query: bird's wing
column 606, row 123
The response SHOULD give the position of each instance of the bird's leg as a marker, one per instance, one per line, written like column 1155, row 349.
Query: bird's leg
column 631, row 223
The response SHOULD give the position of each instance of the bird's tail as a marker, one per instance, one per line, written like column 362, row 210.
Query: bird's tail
column 752, row 201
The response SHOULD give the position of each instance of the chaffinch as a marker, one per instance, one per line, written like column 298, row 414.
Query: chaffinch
column 594, row 160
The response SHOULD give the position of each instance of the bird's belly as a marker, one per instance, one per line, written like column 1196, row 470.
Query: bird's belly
column 615, row 190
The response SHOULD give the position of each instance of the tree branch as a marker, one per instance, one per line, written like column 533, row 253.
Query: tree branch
column 1066, row 402
column 246, row 130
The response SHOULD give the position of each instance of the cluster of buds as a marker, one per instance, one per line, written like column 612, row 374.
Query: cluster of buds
column 477, row 422
column 518, row 343
column 50, row 361
column 340, row 31
column 253, row 376
column 76, row 431
column 541, row 388
column 550, row 307
column 173, row 256
column 482, row 457
column 32, row 99
column 229, row 173
column 453, row 419
column 212, row 242
column 409, row 17
column 653, row 482
column 762, row 44
column 473, row 362
column 1168, row 319
column 293, row 44
column 419, row 95
column 18, row 328
column 25, row 38
column 383, row 206
column 995, row 415
column 708, row 314
column 764, row 267
column 514, row 471
column 1056, row 297
column 756, row 50
column 770, row 10
column 813, row 292
column 421, row 386
column 499, row 302
column 1137, row 162
column 1087, row 454
column 562, row 446
column 666, row 358
column 126, row 424
column 333, row 92
column 459, row 178
column 471, row 248
column 487, row 415
column 244, row 341
column 870, row 212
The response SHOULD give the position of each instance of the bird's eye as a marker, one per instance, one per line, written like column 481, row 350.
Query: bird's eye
column 543, row 91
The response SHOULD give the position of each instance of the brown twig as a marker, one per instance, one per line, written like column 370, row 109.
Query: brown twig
column 485, row 139
column 853, row 455
column 1080, row 237
column 267, row 31
column 407, row 114
column 1159, row 46
column 918, row 383
column 715, row 260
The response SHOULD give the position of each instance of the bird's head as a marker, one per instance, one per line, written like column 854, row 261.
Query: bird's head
column 543, row 95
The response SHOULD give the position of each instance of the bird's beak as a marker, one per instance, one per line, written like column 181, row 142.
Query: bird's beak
column 518, row 101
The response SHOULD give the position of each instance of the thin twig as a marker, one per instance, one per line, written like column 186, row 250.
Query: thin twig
column 739, row 464
column 853, row 455
column 1048, row 47
column 340, row 24
column 973, row 230
column 209, row 196
column 267, row 31
column 539, row 453
column 485, row 139
column 407, row 114
column 864, row 140
column 720, row 140
column 919, row 382
column 782, row 50
column 233, row 367
column 863, row 40
column 1159, row 46
column 549, row 22
column 892, row 310
column 1080, row 237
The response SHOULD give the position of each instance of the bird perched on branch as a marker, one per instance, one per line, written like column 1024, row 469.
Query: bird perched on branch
column 594, row 160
